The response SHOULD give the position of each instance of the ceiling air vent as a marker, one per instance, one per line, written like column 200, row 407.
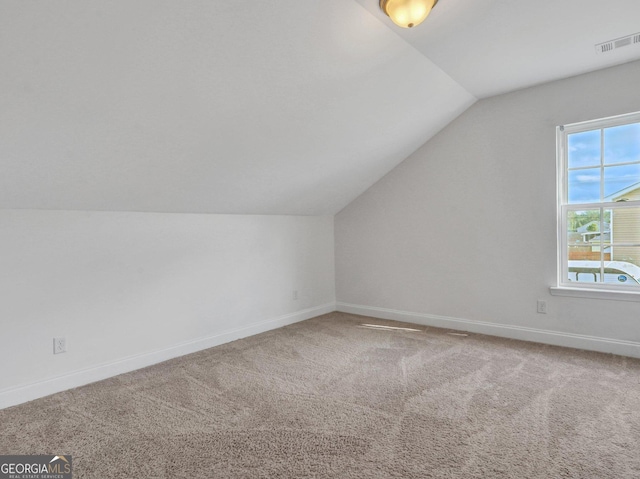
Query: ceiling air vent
column 618, row 43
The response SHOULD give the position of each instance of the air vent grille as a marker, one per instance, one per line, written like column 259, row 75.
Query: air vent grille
column 611, row 45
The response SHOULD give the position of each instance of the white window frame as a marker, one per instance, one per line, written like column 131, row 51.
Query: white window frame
column 565, row 287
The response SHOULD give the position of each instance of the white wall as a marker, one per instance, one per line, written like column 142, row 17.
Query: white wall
column 131, row 289
column 463, row 233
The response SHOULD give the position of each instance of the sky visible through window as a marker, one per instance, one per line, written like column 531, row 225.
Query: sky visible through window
column 588, row 160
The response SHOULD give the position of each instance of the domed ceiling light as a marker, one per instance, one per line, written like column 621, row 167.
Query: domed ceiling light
column 407, row 13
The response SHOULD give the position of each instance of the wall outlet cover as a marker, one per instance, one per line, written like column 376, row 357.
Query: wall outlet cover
column 542, row 306
column 59, row 345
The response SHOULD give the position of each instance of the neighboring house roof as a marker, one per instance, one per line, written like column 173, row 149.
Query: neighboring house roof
column 598, row 239
column 585, row 228
column 619, row 195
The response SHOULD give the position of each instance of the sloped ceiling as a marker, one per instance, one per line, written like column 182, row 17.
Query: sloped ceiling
column 281, row 107
column 495, row 46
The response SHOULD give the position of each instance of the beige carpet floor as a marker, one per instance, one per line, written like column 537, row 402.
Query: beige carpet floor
column 333, row 398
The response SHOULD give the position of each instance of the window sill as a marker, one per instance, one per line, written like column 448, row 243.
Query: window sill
column 595, row 293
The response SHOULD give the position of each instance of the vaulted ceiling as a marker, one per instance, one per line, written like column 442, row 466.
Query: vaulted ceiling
column 281, row 107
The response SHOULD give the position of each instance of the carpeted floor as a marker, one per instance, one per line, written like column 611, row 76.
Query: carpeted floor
column 332, row 398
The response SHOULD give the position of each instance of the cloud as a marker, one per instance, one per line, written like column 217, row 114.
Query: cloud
column 579, row 146
column 588, row 178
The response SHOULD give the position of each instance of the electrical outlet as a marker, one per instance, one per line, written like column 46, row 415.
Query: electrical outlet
column 542, row 306
column 294, row 296
column 59, row 345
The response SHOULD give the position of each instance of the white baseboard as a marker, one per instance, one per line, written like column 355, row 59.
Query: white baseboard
column 28, row 392
column 556, row 338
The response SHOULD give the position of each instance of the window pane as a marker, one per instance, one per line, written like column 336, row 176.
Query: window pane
column 583, row 235
column 624, row 269
column 619, row 277
column 622, row 144
column 619, row 179
column 584, row 186
column 615, row 273
column 581, row 277
column 584, row 271
column 584, row 149
column 626, row 254
column 625, row 226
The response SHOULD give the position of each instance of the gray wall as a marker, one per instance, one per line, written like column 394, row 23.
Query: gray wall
column 131, row 289
column 465, row 228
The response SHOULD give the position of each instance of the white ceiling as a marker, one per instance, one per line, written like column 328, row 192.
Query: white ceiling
column 495, row 46
column 282, row 107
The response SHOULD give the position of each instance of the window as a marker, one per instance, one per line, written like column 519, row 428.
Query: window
column 599, row 204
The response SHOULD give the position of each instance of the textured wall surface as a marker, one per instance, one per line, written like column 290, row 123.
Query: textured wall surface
column 466, row 226
column 117, row 285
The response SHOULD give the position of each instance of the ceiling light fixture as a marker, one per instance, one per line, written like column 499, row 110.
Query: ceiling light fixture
column 407, row 13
